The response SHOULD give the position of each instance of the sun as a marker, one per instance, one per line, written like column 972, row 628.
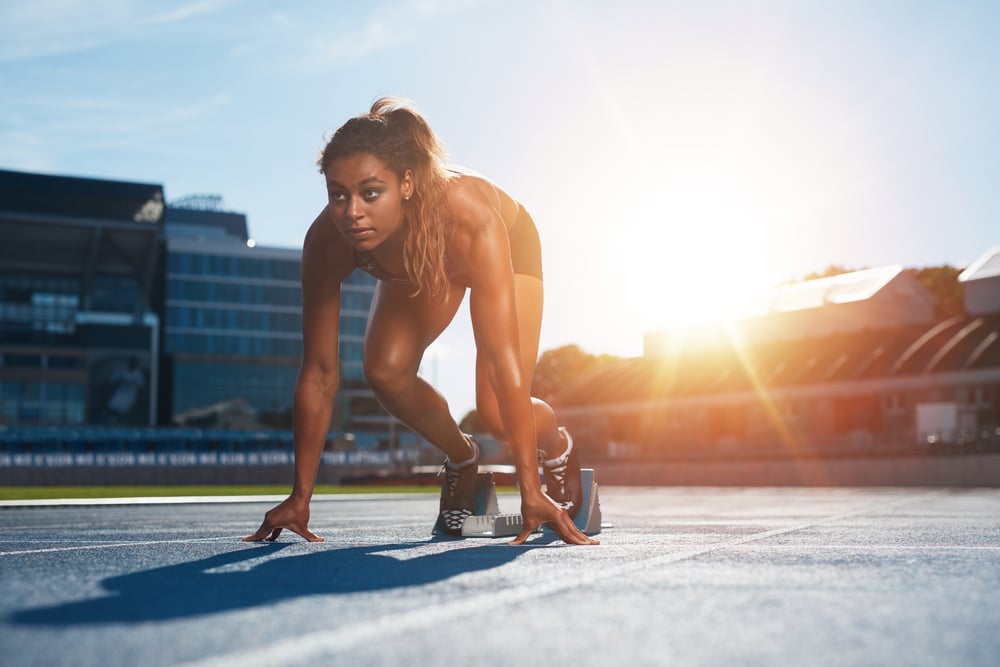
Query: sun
column 731, row 219
column 719, row 247
column 698, row 204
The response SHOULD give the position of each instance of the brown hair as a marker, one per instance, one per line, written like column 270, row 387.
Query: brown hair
column 395, row 133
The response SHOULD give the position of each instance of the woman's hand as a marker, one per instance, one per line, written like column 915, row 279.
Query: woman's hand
column 293, row 514
column 536, row 510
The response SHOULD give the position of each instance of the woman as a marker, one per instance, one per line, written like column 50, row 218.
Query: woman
column 427, row 233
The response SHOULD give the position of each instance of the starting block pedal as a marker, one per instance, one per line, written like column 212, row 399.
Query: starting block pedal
column 485, row 503
column 493, row 524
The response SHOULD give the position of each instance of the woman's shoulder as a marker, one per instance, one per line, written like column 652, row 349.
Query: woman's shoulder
column 465, row 181
column 469, row 193
column 324, row 251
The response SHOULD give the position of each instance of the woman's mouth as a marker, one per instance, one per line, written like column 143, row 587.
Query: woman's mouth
column 359, row 233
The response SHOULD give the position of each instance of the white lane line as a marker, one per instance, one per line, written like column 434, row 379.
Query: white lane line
column 201, row 500
column 113, row 545
column 316, row 645
column 861, row 548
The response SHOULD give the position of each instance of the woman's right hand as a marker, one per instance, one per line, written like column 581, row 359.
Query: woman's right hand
column 293, row 514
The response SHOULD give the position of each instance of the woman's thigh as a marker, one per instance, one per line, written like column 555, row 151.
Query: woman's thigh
column 401, row 327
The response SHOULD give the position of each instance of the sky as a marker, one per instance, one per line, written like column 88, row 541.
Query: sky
column 678, row 157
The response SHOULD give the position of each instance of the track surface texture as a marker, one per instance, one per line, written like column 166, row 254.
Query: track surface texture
column 686, row 576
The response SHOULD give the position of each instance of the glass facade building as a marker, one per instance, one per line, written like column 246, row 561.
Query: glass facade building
column 79, row 293
column 233, row 331
column 118, row 310
column 232, row 335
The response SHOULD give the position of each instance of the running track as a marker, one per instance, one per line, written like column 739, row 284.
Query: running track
column 686, row 576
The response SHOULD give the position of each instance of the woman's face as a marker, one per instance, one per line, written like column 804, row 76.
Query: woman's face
column 366, row 199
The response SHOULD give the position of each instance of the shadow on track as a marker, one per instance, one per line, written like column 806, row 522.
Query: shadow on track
column 230, row 581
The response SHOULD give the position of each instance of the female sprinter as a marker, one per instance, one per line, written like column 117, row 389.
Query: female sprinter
column 428, row 233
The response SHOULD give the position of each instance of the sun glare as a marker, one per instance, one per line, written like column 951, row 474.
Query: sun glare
column 729, row 222
column 716, row 254
column 705, row 200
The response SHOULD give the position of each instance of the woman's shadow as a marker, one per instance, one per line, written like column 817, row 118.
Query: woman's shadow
column 230, row 581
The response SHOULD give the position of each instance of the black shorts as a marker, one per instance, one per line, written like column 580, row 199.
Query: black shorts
column 525, row 246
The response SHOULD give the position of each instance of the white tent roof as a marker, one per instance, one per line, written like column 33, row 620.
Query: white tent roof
column 843, row 288
column 987, row 266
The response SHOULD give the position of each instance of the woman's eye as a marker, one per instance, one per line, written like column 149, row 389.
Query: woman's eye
column 337, row 197
column 372, row 194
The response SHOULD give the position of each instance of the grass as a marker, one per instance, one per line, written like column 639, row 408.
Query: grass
column 62, row 492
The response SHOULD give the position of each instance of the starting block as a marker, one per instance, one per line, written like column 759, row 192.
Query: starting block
column 487, row 521
column 485, row 503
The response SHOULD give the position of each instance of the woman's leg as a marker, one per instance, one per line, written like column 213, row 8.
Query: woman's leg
column 400, row 328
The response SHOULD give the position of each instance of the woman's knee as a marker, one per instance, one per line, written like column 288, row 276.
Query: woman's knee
column 386, row 378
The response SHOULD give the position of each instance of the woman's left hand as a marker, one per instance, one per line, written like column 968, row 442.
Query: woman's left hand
column 541, row 509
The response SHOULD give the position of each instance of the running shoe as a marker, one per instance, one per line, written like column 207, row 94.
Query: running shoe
column 458, row 491
column 562, row 477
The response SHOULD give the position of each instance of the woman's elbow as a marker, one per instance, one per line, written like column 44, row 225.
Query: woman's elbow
column 318, row 379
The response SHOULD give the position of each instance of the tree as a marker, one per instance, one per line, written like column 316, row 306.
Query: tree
column 942, row 283
column 559, row 367
column 829, row 272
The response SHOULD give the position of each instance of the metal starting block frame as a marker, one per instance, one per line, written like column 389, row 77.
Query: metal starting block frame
column 485, row 503
column 487, row 521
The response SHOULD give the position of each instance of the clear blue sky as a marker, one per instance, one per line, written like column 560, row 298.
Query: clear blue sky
column 673, row 154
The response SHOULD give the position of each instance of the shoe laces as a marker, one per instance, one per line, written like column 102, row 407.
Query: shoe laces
column 558, row 469
column 453, row 471
column 451, row 476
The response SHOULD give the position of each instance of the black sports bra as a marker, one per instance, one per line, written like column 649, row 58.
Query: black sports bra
column 364, row 261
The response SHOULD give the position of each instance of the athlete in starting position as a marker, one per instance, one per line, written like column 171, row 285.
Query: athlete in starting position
column 428, row 233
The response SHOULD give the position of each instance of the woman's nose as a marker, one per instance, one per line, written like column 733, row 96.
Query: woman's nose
column 354, row 208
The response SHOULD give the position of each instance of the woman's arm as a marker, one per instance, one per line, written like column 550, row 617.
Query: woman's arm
column 493, row 308
column 325, row 265
column 319, row 375
column 483, row 241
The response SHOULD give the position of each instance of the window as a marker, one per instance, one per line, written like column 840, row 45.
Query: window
column 118, row 294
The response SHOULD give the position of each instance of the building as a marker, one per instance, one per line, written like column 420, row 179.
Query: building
column 233, row 329
column 79, row 317
column 981, row 282
column 118, row 310
column 841, row 366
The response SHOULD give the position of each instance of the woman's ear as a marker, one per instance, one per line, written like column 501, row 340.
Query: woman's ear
column 407, row 185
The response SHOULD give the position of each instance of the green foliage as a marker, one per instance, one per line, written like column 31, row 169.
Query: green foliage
column 830, row 271
column 942, row 283
column 560, row 367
